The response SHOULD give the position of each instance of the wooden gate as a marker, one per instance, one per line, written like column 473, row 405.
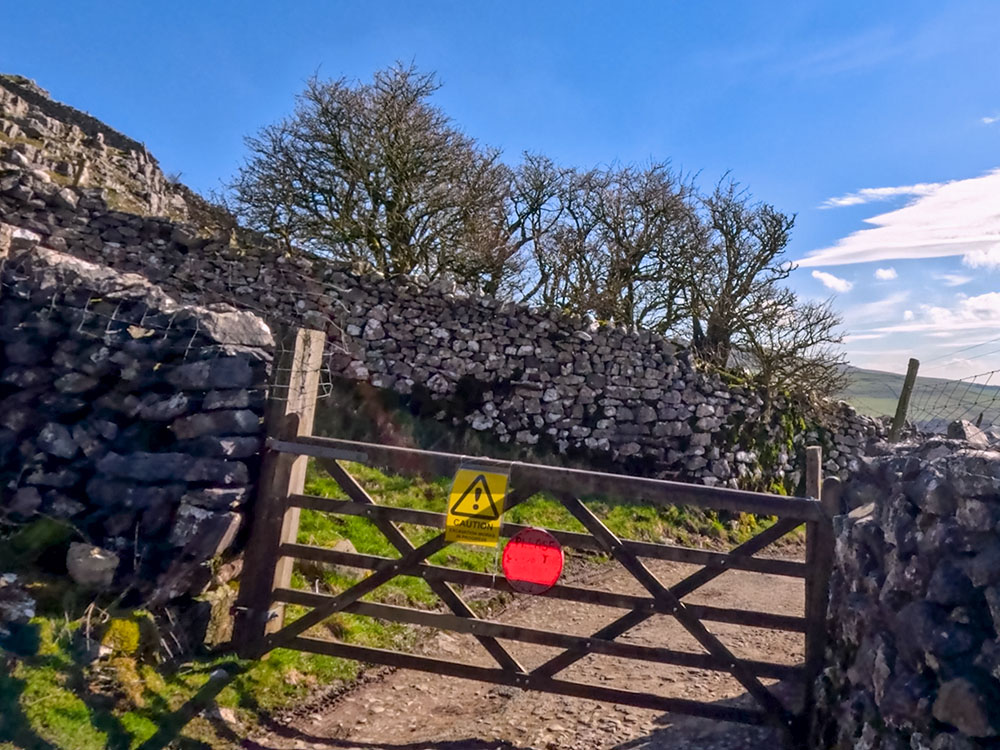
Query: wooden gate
column 273, row 547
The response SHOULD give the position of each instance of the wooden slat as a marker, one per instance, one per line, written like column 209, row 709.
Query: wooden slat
column 691, row 624
column 539, row 636
column 750, row 547
column 569, row 593
column 529, row 682
column 681, row 589
column 369, row 584
column 574, row 481
column 772, row 566
column 398, row 540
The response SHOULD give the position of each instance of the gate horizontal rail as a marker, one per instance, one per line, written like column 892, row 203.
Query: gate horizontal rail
column 577, row 481
column 559, row 591
column 571, row 539
column 266, row 586
column 539, row 636
column 529, row 681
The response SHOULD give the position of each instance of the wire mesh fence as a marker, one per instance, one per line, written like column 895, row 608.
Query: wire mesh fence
column 936, row 403
column 123, row 317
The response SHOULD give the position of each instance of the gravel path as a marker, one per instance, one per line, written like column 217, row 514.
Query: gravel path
column 406, row 710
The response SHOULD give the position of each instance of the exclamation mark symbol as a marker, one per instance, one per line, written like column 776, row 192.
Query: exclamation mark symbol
column 475, row 502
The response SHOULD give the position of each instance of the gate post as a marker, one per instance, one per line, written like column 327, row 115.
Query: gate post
column 819, row 559
column 290, row 413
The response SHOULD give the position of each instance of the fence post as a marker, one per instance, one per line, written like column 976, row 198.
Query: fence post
column 904, row 400
column 290, row 413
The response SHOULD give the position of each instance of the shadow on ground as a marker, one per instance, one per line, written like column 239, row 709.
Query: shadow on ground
column 678, row 732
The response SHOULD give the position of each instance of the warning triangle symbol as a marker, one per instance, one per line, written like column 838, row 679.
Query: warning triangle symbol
column 476, row 501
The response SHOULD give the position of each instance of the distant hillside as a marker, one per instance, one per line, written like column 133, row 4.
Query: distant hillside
column 935, row 401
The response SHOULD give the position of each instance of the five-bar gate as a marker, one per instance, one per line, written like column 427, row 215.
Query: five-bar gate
column 273, row 547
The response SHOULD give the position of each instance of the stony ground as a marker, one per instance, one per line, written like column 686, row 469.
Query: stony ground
column 403, row 710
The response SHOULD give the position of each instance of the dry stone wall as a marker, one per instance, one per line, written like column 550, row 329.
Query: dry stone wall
column 914, row 660
column 540, row 381
column 136, row 419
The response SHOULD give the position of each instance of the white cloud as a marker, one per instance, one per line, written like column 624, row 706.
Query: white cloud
column 981, row 312
column 989, row 120
column 960, row 217
column 908, row 315
column 873, row 195
column 952, row 279
column 830, row 281
column 988, row 259
column 885, row 274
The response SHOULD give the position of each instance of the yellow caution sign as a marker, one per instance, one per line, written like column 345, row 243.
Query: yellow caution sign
column 475, row 506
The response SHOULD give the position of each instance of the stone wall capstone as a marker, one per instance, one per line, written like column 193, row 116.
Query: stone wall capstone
column 132, row 417
column 914, row 656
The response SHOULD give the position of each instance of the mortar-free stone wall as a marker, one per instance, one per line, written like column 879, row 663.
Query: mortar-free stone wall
column 134, row 418
column 914, row 658
column 540, row 381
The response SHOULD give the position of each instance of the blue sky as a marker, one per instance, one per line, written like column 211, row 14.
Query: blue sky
column 878, row 124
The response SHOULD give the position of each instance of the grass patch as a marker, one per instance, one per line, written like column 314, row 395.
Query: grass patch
column 36, row 142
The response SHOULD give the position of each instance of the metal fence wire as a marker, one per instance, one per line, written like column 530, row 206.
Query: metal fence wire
column 935, row 404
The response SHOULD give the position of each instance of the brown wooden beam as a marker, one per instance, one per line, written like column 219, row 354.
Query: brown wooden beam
column 574, row 481
column 530, row 682
column 770, row 565
column 559, row 591
column 398, row 540
column 692, row 624
column 290, row 414
column 539, row 636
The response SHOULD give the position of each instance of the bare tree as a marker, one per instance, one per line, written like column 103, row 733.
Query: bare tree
column 375, row 172
column 740, row 267
column 618, row 249
column 646, row 228
column 370, row 172
column 794, row 346
column 508, row 246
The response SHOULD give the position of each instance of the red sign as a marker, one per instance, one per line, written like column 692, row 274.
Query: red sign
column 532, row 561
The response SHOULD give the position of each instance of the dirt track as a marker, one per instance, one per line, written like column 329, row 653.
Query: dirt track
column 412, row 710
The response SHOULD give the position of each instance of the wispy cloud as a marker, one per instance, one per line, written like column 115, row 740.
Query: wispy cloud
column 885, row 274
column 863, row 337
column 881, row 310
column 989, row 120
column 960, row 217
column 981, row 312
column 952, row 279
column 874, row 195
column 830, row 281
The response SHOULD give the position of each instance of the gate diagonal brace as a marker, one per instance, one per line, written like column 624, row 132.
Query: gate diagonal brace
column 403, row 545
column 403, row 566
column 691, row 583
column 667, row 599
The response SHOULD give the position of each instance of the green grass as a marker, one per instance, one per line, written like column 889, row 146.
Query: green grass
column 627, row 520
column 50, row 698
column 876, row 393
